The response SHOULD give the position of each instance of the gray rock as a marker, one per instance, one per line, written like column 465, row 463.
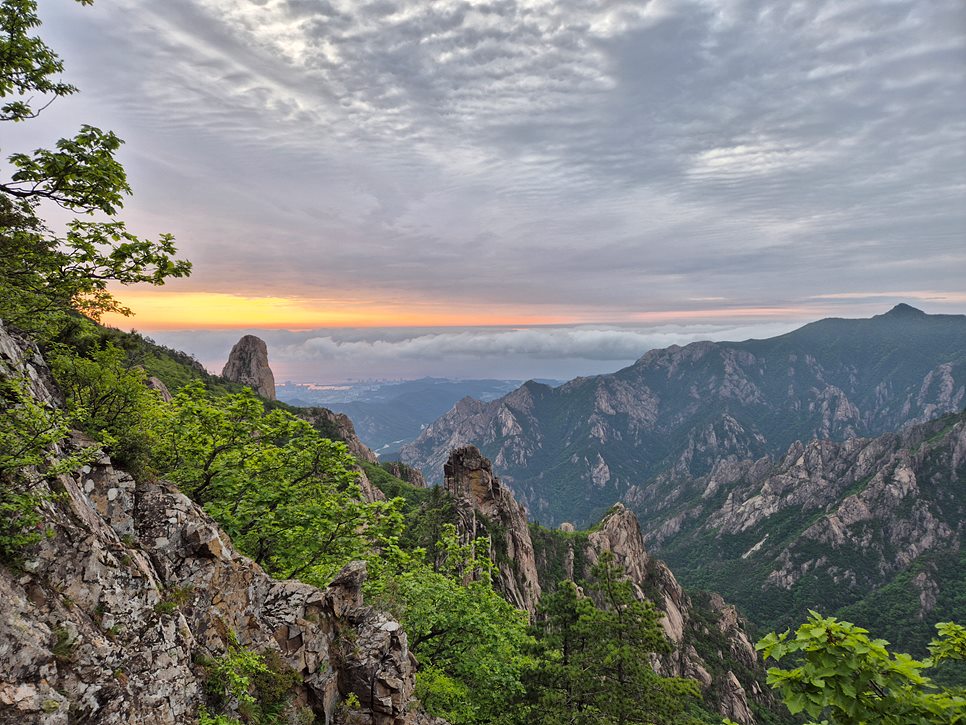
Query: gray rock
column 248, row 364
column 107, row 619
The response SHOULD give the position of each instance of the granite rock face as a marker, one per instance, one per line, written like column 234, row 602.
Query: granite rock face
column 405, row 473
column 571, row 451
column 248, row 365
column 338, row 427
column 107, row 618
column 825, row 517
column 485, row 506
column 620, row 533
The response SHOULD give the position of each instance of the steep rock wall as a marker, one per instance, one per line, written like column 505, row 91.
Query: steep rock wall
column 107, row 617
column 485, row 505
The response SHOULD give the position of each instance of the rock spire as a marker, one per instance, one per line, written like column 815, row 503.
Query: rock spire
column 248, row 364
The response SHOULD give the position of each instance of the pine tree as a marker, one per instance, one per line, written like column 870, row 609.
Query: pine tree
column 595, row 659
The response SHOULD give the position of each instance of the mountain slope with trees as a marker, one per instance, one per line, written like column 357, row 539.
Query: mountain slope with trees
column 572, row 451
column 875, row 526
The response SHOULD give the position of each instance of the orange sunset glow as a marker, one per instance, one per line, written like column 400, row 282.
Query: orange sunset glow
column 166, row 310
column 171, row 310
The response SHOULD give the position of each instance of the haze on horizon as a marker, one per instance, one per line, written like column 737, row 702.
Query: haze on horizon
column 524, row 185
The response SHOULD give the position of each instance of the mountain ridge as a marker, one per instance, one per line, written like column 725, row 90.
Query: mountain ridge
column 571, row 451
column 825, row 525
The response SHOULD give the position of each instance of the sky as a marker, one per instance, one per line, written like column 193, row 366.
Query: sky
column 524, row 188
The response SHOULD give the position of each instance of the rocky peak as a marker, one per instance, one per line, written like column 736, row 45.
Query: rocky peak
column 248, row 364
column 109, row 617
column 903, row 310
column 688, row 625
column 571, row 451
column 486, row 507
column 338, row 426
column 620, row 533
column 405, row 473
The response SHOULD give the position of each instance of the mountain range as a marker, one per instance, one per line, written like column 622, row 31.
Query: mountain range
column 572, row 451
column 871, row 528
column 389, row 415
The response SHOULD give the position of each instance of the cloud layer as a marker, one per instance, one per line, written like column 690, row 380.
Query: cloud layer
column 561, row 352
column 604, row 155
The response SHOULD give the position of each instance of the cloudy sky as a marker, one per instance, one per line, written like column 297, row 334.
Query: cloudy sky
column 561, row 183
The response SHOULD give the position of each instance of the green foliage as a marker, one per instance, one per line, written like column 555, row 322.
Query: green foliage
column 29, row 434
column 27, row 64
column 29, row 431
column 21, row 524
column 557, row 553
column 109, row 399
column 206, row 718
column 255, row 686
column 950, row 645
column 470, row 641
column 287, row 496
column 173, row 367
column 44, row 277
column 841, row 675
column 63, row 646
column 174, row 599
column 594, row 659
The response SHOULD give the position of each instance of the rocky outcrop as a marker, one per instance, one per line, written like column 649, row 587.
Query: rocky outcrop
column 405, row 473
column 248, row 365
column 110, row 617
column 158, row 385
column 687, row 628
column 823, row 524
column 337, row 426
column 572, row 451
column 485, row 507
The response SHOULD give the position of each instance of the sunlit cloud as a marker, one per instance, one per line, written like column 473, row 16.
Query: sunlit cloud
column 520, row 352
column 166, row 310
column 332, row 163
column 931, row 296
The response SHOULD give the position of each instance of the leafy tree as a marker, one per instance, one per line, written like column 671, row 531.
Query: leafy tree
column 28, row 65
column 595, row 658
column 30, row 433
column 255, row 686
column 471, row 643
column 44, row 276
column 110, row 399
column 842, row 676
column 287, row 496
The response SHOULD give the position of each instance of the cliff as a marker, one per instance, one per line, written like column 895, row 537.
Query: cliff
column 823, row 525
column 485, row 507
column 708, row 636
column 572, row 451
column 248, row 365
column 113, row 615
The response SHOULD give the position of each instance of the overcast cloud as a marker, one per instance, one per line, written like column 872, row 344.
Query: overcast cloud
column 328, row 356
column 605, row 155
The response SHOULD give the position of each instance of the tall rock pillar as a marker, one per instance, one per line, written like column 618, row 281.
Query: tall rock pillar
column 248, row 364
